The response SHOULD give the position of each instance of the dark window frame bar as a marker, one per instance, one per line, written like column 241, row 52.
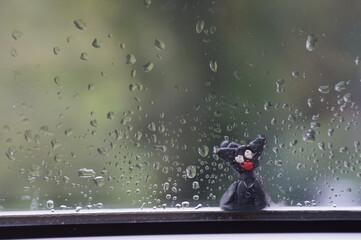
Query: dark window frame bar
column 140, row 222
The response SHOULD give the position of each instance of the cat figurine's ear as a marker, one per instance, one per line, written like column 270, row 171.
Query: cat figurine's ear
column 257, row 145
column 227, row 154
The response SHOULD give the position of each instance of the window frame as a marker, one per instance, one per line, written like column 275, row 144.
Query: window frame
column 150, row 222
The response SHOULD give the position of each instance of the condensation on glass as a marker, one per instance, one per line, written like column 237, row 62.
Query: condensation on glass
column 119, row 104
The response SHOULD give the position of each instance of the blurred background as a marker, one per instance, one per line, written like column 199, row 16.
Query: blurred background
column 118, row 104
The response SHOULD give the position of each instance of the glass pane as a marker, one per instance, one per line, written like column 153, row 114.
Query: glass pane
column 119, row 104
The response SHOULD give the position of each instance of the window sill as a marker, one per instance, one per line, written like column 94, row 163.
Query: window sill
column 105, row 222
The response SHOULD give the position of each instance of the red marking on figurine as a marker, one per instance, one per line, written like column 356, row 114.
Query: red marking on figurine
column 247, row 165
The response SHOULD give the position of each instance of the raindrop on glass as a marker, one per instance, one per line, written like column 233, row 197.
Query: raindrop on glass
column 340, row 86
column 357, row 60
column 347, row 97
column 148, row 67
column 213, row 65
column 16, row 34
column 195, row 185
column 57, row 81
column 310, row 102
column 86, row 173
column 279, row 84
column 130, row 59
column 13, row 52
column 10, row 153
column 191, row 171
column 56, row 50
column 80, row 24
column 203, row 150
column 147, row 3
column 50, row 204
column 97, row 43
column 159, row 44
column 185, row 204
column 98, row 181
column 199, row 26
column 84, row 56
column 110, row 115
column 324, row 89
column 311, row 42
column 308, row 136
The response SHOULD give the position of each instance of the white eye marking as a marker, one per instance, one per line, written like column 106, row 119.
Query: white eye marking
column 248, row 154
column 239, row 159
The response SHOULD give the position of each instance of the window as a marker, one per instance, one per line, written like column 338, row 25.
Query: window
column 119, row 104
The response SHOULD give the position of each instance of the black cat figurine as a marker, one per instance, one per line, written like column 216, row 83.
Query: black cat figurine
column 247, row 193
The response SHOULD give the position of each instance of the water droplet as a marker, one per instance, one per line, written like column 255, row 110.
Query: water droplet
column 69, row 39
column 28, row 136
column 147, row 3
column 195, row 185
column 315, row 125
column 347, row 97
column 343, row 149
column 97, row 43
column 50, row 204
column 110, row 115
column 68, row 132
column 340, row 86
column 279, row 83
column 310, row 102
column 78, row 208
column 138, row 135
column 84, row 56
column 130, row 59
column 91, row 87
column 10, row 153
column 133, row 73
column 159, row 44
column 80, row 24
column 185, row 204
column 200, row 26
column 324, row 89
column 165, row 186
column 55, row 144
column 94, row 123
column 311, row 42
column 198, row 206
column 308, row 136
column 279, row 163
column 295, row 74
column 213, row 65
column 98, row 181
column 152, row 127
column 148, row 67
column 57, row 81
column 203, row 150
column 86, row 173
column 357, row 60
column 195, row 197
column 267, row 105
column 103, row 151
column 56, row 50
column 161, row 148
column 191, row 171
column 16, row 34
column 13, row 52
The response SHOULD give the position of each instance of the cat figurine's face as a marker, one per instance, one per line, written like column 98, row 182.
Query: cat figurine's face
column 244, row 157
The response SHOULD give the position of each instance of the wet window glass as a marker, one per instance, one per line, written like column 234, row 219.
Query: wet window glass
column 122, row 104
